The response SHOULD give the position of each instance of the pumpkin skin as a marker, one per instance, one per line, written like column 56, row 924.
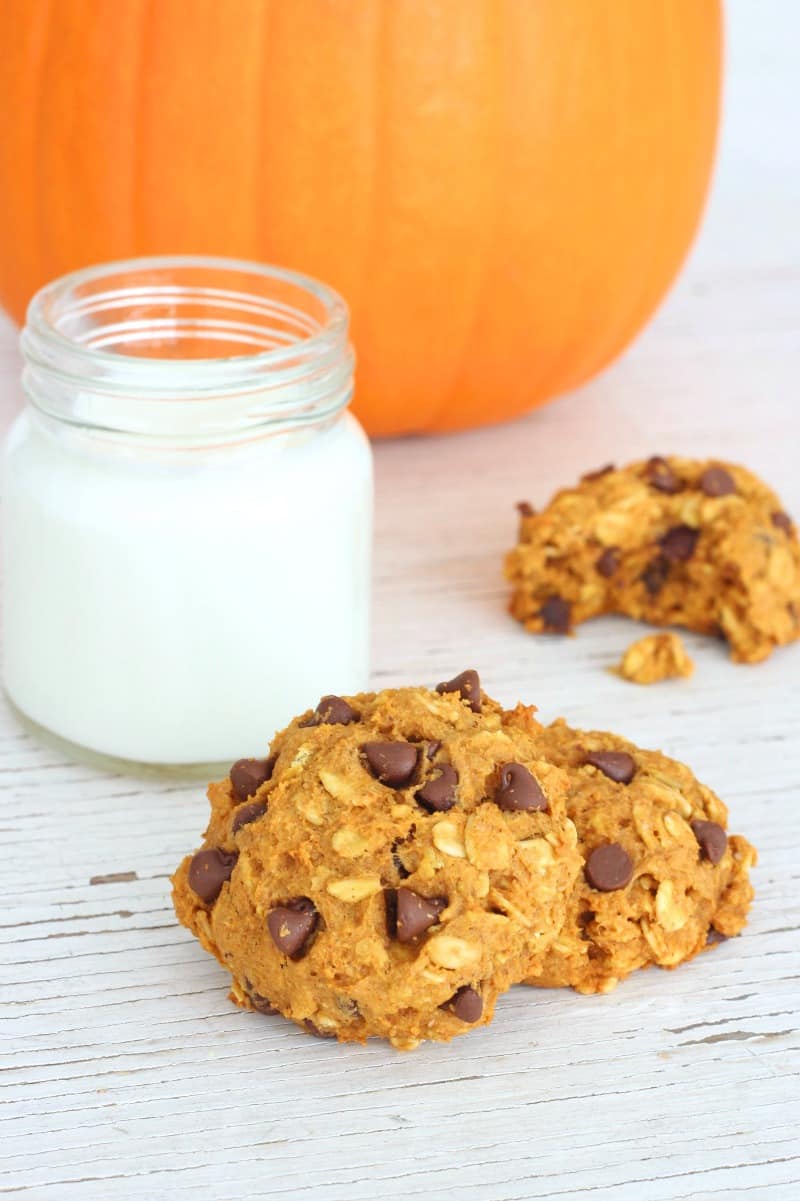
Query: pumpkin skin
column 502, row 189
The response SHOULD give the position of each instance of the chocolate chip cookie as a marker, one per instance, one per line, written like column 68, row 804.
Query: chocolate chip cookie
column 396, row 861
column 661, row 877
column 670, row 541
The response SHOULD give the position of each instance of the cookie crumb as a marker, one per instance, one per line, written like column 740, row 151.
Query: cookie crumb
column 654, row 658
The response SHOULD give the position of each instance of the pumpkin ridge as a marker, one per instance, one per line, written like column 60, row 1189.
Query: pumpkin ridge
column 646, row 300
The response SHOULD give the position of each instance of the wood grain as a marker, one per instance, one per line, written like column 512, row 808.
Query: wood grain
column 125, row 1071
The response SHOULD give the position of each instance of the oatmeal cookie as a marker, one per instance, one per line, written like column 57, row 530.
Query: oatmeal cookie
column 397, row 860
column 670, row 541
column 654, row 658
column 661, row 877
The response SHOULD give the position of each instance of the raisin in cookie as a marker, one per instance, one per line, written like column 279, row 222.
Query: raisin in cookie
column 397, row 860
column 660, row 874
column 670, row 541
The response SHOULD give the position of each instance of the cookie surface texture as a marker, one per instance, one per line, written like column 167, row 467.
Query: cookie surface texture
column 670, row 541
column 407, row 860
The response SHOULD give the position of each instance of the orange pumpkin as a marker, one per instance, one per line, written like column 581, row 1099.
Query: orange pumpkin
column 502, row 189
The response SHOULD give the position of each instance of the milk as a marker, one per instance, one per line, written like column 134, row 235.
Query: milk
column 177, row 606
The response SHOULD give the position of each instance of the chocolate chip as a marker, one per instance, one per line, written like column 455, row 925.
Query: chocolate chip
column 619, row 766
column 519, row 791
column 467, row 685
column 400, row 867
column 291, row 925
column 712, row 840
column 525, row 508
column 585, row 919
column 332, row 711
column 660, row 475
column 608, row 562
column 782, row 521
column 393, row 763
column 678, row 544
column 246, row 814
column 555, row 613
column 608, row 868
column 408, row 915
column 438, row 793
column 390, row 905
column 715, row 936
column 247, row 775
column 433, row 748
column 654, row 576
column 466, row 1004
column 209, row 870
column 315, row 1030
column 588, row 476
column 716, row 481
column 262, row 1004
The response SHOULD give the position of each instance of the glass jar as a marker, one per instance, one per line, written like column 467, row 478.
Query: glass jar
column 187, row 510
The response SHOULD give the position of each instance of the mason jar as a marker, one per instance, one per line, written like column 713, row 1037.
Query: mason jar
column 187, row 510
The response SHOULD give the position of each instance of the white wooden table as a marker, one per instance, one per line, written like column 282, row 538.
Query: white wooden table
column 126, row 1072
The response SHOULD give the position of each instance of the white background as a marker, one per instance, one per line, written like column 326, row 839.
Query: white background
column 127, row 1074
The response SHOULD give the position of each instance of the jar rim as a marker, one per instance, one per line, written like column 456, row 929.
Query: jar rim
column 300, row 372
column 337, row 312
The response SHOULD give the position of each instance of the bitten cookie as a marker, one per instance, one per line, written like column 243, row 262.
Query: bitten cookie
column 670, row 541
column 397, row 860
column 660, row 875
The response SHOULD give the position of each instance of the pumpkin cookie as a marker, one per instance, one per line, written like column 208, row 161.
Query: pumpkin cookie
column 396, row 861
column 654, row 658
column 661, row 877
column 671, row 541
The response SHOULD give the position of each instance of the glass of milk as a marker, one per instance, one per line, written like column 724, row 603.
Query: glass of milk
column 187, row 510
